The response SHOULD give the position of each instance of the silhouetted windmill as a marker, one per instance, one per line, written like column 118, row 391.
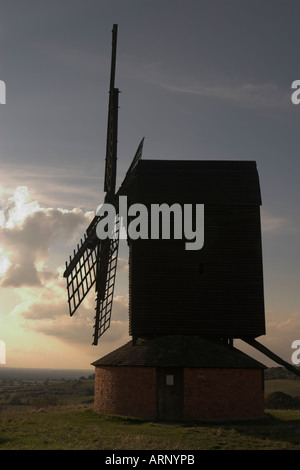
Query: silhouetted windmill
column 214, row 293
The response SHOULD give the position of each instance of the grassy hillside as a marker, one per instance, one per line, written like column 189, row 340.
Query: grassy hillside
column 85, row 430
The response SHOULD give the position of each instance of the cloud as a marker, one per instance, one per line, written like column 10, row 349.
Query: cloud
column 271, row 223
column 122, row 265
column 77, row 185
column 280, row 334
column 54, row 321
column 286, row 326
column 239, row 91
column 45, row 311
column 249, row 95
column 120, row 308
column 27, row 233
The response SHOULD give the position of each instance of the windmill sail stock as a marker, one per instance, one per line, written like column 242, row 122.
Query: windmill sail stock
column 112, row 126
column 94, row 262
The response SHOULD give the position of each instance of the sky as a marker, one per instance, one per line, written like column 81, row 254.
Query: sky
column 199, row 79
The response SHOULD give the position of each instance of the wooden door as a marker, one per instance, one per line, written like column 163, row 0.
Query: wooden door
column 169, row 393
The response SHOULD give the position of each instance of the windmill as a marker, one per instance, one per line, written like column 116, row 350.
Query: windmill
column 215, row 293
column 94, row 262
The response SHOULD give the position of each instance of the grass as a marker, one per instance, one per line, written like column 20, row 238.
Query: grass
column 58, row 415
column 82, row 429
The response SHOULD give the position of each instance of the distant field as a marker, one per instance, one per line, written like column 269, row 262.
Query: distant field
column 291, row 387
column 17, row 373
column 45, row 394
column 38, row 391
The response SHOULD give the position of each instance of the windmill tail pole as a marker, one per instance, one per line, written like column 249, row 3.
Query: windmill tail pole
column 255, row 344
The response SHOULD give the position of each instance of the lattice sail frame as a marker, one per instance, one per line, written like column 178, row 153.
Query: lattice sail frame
column 84, row 269
column 83, row 272
column 81, row 275
column 95, row 261
column 104, row 299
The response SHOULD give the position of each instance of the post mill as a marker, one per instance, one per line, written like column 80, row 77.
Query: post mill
column 186, row 307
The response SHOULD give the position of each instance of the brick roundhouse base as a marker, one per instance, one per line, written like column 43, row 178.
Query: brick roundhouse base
column 171, row 391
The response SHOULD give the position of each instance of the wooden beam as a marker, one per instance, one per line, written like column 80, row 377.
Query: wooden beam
column 255, row 344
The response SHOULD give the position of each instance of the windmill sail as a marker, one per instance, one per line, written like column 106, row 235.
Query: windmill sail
column 112, row 125
column 130, row 171
column 80, row 274
column 95, row 261
column 105, row 283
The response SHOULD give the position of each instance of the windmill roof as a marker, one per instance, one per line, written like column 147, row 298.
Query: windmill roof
column 178, row 351
column 214, row 182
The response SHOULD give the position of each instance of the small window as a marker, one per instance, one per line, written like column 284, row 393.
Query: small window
column 169, row 379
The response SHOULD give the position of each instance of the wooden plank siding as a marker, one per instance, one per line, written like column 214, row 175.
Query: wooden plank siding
column 213, row 292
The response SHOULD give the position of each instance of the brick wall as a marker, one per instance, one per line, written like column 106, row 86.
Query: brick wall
column 128, row 391
column 223, row 393
column 208, row 393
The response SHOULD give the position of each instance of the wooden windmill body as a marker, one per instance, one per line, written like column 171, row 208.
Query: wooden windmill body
column 186, row 307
